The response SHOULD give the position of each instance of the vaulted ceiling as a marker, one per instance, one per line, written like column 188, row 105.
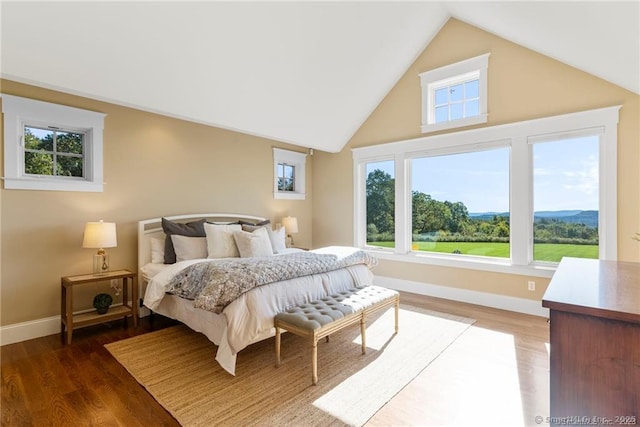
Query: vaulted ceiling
column 306, row 73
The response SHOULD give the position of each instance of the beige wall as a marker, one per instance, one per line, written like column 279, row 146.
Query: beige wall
column 156, row 166
column 522, row 85
column 153, row 166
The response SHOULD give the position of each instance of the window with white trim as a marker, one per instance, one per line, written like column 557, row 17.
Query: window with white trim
column 455, row 95
column 51, row 147
column 289, row 174
column 513, row 198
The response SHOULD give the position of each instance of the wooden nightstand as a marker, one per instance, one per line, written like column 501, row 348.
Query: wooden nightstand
column 71, row 321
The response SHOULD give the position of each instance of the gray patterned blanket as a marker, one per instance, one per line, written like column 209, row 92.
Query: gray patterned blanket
column 216, row 283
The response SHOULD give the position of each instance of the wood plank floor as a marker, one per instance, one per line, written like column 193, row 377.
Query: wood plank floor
column 496, row 373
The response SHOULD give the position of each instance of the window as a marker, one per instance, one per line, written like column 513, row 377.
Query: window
column 286, row 177
column 514, row 198
column 51, row 147
column 565, row 198
column 289, row 174
column 380, row 195
column 455, row 95
column 53, row 152
column 460, row 203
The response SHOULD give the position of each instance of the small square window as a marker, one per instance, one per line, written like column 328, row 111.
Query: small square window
column 455, row 95
column 289, row 174
column 51, row 147
column 53, row 152
column 286, row 177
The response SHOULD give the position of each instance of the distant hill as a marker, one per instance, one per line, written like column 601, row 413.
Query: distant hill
column 589, row 218
column 486, row 216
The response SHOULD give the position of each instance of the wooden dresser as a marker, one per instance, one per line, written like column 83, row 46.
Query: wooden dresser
column 595, row 340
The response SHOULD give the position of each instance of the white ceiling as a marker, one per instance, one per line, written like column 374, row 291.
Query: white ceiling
column 306, row 73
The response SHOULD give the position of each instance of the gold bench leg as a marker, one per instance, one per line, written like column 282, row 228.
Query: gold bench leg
column 397, row 307
column 277, row 346
column 363, row 334
column 314, row 362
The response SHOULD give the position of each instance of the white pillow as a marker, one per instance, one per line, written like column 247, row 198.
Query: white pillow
column 252, row 244
column 157, row 251
column 220, row 241
column 189, row 247
column 278, row 240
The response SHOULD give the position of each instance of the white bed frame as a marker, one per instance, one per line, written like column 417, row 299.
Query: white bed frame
column 152, row 228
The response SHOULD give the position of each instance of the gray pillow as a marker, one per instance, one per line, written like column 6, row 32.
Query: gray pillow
column 189, row 229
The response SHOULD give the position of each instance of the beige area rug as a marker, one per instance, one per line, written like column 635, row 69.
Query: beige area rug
column 177, row 366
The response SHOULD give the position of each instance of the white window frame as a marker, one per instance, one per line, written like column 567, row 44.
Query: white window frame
column 298, row 161
column 19, row 112
column 519, row 137
column 448, row 75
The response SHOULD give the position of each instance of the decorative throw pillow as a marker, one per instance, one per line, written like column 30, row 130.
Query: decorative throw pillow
column 278, row 240
column 277, row 237
column 157, row 251
column 189, row 247
column 220, row 241
column 189, row 229
column 253, row 244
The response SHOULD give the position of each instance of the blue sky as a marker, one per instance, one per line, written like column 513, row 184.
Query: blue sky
column 565, row 176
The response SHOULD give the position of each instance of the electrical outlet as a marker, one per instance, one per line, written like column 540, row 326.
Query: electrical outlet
column 532, row 285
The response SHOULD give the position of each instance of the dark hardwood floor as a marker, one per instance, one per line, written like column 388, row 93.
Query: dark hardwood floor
column 497, row 370
column 45, row 382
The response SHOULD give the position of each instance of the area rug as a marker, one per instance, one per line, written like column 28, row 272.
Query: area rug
column 177, row 366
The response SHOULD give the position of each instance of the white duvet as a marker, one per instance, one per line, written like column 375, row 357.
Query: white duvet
column 249, row 318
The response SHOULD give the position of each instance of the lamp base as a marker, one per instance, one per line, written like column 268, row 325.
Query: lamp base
column 289, row 241
column 101, row 263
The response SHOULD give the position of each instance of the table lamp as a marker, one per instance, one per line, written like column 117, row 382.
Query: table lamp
column 100, row 235
column 290, row 225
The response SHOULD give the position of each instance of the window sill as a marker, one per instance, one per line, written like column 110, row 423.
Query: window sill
column 475, row 120
column 289, row 196
column 467, row 262
column 52, row 184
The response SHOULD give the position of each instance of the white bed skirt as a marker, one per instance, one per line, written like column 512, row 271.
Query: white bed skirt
column 249, row 319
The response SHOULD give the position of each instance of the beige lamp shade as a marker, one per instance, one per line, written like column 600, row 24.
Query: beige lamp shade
column 98, row 235
column 290, row 224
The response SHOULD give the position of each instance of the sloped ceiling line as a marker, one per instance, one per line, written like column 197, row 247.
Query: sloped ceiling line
column 305, row 73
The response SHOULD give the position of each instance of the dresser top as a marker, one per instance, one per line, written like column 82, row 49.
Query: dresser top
column 607, row 289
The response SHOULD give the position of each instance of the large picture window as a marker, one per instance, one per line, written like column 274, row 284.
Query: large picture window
column 514, row 198
column 460, row 203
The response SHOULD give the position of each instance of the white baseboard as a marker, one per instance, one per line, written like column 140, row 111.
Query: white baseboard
column 503, row 302
column 19, row 332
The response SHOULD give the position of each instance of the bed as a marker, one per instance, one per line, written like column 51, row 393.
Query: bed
column 247, row 318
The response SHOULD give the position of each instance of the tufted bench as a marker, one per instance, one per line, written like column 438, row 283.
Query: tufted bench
column 319, row 319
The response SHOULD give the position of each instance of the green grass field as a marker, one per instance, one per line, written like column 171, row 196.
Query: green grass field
column 542, row 251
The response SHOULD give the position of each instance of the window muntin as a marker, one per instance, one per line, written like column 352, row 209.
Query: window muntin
column 457, row 100
column 380, row 204
column 565, row 198
column 53, row 152
column 460, row 203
